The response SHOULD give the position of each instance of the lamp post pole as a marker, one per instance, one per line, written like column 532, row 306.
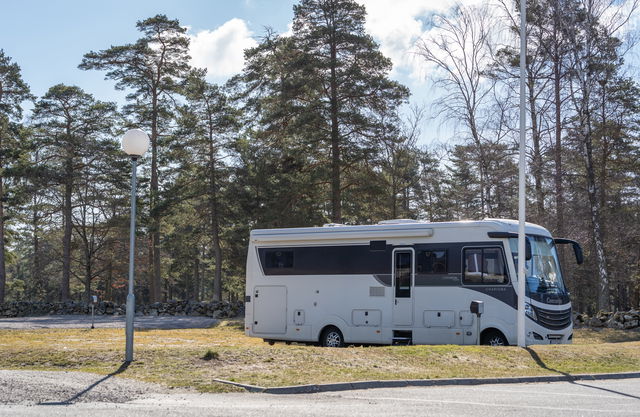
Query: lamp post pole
column 135, row 143
column 131, row 298
column 522, row 341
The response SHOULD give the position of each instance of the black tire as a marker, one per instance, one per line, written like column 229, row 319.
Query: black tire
column 494, row 338
column 332, row 337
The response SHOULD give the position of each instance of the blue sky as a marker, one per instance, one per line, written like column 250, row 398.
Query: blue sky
column 48, row 38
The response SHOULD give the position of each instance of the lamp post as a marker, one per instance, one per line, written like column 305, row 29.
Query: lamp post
column 522, row 340
column 135, row 143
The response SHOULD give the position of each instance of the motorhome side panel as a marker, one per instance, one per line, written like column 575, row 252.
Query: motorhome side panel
column 351, row 284
column 361, row 304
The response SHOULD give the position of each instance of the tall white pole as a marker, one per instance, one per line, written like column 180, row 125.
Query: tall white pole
column 131, row 298
column 522, row 341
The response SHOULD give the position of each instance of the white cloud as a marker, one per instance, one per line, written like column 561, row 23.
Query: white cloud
column 398, row 24
column 221, row 51
column 289, row 31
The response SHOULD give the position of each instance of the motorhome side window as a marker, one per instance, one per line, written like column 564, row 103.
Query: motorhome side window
column 432, row 262
column 278, row 258
column 484, row 266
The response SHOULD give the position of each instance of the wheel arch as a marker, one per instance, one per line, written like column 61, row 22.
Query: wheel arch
column 491, row 329
column 333, row 321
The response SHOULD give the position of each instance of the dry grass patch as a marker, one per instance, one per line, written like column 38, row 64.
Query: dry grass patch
column 193, row 357
column 604, row 335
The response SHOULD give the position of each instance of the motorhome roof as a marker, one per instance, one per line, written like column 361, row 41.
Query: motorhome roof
column 387, row 229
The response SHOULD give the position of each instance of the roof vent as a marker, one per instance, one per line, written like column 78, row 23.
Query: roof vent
column 399, row 221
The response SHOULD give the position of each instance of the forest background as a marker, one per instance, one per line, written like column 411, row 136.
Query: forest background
column 314, row 130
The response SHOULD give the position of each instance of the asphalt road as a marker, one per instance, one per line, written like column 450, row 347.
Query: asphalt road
column 601, row 398
column 82, row 322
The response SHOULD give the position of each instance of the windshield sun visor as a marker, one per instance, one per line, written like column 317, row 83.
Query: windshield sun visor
column 511, row 235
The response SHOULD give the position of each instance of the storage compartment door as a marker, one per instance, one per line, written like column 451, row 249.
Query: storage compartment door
column 270, row 309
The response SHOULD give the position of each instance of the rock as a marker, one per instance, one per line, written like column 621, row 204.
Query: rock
column 613, row 323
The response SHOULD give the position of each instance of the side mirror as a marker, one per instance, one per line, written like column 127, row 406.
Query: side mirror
column 527, row 249
column 577, row 249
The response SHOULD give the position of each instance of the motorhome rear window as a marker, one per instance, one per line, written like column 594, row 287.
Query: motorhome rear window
column 280, row 259
column 432, row 262
column 484, row 266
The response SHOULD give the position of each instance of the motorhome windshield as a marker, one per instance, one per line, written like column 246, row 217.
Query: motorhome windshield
column 544, row 276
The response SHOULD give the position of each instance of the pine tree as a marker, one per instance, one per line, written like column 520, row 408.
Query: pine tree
column 281, row 175
column 13, row 91
column 208, row 120
column 69, row 121
column 349, row 80
column 153, row 68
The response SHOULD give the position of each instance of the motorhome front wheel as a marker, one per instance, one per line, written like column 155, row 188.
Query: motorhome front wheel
column 332, row 337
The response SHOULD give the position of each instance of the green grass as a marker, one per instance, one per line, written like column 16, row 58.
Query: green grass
column 193, row 358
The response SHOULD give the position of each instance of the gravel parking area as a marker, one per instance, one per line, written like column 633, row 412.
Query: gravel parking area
column 61, row 388
column 82, row 321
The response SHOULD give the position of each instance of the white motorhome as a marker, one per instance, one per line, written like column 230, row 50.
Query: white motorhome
column 404, row 281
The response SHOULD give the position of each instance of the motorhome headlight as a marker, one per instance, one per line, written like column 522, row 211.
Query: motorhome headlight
column 528, row 310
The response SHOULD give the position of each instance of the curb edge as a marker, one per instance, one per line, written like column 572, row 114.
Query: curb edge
column 396, row 383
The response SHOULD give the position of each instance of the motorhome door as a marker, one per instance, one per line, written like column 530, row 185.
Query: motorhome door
column 403, row 272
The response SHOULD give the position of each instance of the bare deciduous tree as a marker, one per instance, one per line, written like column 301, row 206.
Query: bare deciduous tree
column 460, row 47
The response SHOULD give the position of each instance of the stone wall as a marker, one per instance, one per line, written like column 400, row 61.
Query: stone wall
column 214, row 309
column 623, row 320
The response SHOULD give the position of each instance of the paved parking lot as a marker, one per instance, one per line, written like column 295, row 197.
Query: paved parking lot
column 82, row 321
column 592, row 398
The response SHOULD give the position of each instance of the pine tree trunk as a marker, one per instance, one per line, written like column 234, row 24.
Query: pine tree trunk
column 66, row 240
column 604, row 302
column 87, row 275
column 3, row 276
column 35, row 241
column 215, row 240
column 586, row 76
column 557, row 75
column 215, row 217
column 157, row 281
column 108, row 293
column 537, row 154
column 196, row 278
column 150, row 278
column 559, row 194
column 394, row 196
column 604, row 168
column 155, row 293
column 3, row 271
column 602, row 194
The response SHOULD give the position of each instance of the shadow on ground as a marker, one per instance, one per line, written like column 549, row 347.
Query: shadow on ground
column 543, row 365
column 77, row 396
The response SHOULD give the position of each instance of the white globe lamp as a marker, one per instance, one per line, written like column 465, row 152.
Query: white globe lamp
column 135, row 143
